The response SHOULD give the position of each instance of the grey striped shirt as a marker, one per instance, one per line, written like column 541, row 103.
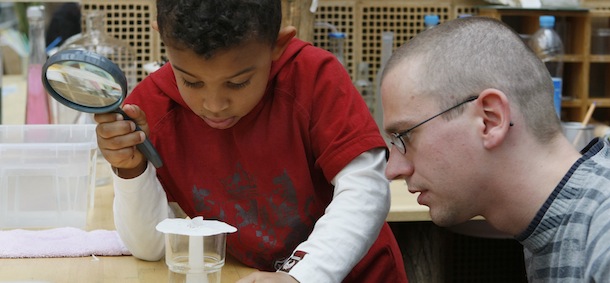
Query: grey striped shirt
column 569, row 239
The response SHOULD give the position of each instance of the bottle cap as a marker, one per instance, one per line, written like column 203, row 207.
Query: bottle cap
column 547, row 21
column 35, row 12
column 431, row 20
column 336, row 35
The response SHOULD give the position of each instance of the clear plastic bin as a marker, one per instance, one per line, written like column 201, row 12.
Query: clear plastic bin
column 47, row 175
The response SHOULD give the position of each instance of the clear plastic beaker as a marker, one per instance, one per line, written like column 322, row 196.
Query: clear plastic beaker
column 195, row 249
column 195, row 258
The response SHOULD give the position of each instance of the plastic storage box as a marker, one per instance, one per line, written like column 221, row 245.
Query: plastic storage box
column 47, row 175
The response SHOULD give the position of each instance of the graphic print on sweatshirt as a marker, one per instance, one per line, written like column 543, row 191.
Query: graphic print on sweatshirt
column 269, row 221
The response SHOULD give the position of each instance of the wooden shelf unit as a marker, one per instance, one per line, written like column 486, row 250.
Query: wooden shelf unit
column 599, row 66
column 586, row 76
column 364, row 21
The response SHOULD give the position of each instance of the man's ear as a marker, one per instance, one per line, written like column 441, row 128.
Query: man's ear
column 155, row 25
column 495, row 112
column 283, row 38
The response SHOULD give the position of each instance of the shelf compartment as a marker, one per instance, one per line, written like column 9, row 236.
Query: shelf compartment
column 599, row 80
column 573, row 86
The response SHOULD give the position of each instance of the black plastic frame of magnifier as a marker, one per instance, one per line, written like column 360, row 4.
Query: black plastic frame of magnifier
column 105, row 64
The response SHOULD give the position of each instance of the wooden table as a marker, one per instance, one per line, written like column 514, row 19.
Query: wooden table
column 404, row 206
column 130, row 269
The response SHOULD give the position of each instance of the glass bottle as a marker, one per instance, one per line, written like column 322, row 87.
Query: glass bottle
column 387, row 44
column 1, row 75
column 95, row 39
column 37, row 104
column 365, row 87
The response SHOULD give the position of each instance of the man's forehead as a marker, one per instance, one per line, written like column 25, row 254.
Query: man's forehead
column 405, row 110
column 402, row 95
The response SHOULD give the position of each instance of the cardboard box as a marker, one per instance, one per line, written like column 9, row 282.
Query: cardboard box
column 47, row 175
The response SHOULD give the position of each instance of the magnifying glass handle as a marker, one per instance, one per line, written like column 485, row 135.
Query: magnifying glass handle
column 146, row 147
column 149, row 151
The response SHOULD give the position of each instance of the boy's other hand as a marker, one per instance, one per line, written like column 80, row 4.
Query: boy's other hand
column 117, row 140
column 268, row 277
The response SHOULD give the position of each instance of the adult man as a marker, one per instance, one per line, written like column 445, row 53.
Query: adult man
column 469, row 109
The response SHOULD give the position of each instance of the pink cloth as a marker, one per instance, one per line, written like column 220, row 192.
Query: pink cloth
column 60, row 242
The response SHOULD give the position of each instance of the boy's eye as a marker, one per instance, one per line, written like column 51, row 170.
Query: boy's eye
column 192, row 85
column 238, row 85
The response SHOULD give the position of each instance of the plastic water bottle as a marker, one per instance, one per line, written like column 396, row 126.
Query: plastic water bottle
column 431, row 21
column 547, row 45
column 97, row 40
column 337, row 41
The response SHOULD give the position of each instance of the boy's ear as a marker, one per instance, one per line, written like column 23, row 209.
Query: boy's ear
column 283, row 38
column 155, row 25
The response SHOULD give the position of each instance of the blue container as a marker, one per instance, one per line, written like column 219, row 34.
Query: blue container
column 557, row 82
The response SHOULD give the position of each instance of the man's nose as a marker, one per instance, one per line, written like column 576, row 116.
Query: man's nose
column 398, row 167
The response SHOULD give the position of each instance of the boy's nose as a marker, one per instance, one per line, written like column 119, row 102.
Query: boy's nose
column 215, row 103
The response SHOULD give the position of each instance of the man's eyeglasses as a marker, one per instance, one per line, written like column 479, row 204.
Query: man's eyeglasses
column 397, row 139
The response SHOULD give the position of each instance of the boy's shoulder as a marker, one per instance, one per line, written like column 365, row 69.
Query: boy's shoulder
column 301, row 58
column 304, row 53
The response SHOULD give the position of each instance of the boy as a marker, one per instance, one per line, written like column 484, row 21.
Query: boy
column 259, row 130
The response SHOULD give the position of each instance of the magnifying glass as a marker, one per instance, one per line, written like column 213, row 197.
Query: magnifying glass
column 88, row 82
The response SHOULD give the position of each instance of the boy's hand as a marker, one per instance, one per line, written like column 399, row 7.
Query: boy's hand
column 117, row 140
column 268, row 277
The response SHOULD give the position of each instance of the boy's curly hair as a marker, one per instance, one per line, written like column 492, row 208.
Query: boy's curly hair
column 208, row 26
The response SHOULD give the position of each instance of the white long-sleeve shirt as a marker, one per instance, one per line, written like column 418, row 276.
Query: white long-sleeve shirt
column 342, row 236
